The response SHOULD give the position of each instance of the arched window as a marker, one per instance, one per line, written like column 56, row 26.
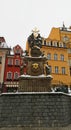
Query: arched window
column 55, row 43
column 48, row 43
column 60, row 44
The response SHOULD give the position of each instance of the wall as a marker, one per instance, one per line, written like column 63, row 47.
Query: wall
column 35, row 110
column 31, row 84
column 2, row 65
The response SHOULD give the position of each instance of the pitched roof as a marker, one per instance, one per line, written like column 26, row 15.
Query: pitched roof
column 55, row 34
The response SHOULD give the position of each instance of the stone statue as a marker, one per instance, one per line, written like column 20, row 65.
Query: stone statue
column 35, row 43
column 47, row 69
column 35, row 39
column 36, row 77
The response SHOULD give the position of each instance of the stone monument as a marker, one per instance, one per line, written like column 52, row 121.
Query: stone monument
column 37, row 77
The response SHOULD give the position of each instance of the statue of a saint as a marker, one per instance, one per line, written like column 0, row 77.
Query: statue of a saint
column 47, row 69
column 35, row 39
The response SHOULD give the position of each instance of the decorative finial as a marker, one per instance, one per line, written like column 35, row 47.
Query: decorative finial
column 63, row 25
column 64, row 28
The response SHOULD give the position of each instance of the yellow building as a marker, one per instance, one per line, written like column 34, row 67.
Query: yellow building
column 57, row 48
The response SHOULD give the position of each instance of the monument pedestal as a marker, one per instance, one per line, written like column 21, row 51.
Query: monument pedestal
column 39, row 83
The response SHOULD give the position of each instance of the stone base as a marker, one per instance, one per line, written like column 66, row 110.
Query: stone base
column 36, row 128
column 34, row 84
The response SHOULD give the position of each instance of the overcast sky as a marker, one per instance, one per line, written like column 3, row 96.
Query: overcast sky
column 19, row 17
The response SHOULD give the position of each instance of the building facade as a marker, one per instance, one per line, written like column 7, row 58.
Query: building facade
column 57, row 48
column 4, row 50
column 13, row 65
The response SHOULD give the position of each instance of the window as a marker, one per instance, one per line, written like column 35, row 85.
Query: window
column 44, row 42
column 63, row 70
column 9, row 75
column 65, row 38
column 69, row 50
column 49, row 56
column 48, row 43
column 0, row 59
column 55, row 44
column 69, row 62
column 62, row 57
column 17, row 51
column 16, row 75
column 56, row 69
column 64, row 45
column 60, row 44
column 55, row 57
column 10, row 61
column 17, row 62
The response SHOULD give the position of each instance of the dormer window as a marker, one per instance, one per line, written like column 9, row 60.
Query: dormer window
column 44, row 42
column 48, row 43
column 60, row 44
column 55, row 43
column 64, row 45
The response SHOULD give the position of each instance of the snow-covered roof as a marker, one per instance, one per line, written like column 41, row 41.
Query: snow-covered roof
column 3, row 45
column 12, row 52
